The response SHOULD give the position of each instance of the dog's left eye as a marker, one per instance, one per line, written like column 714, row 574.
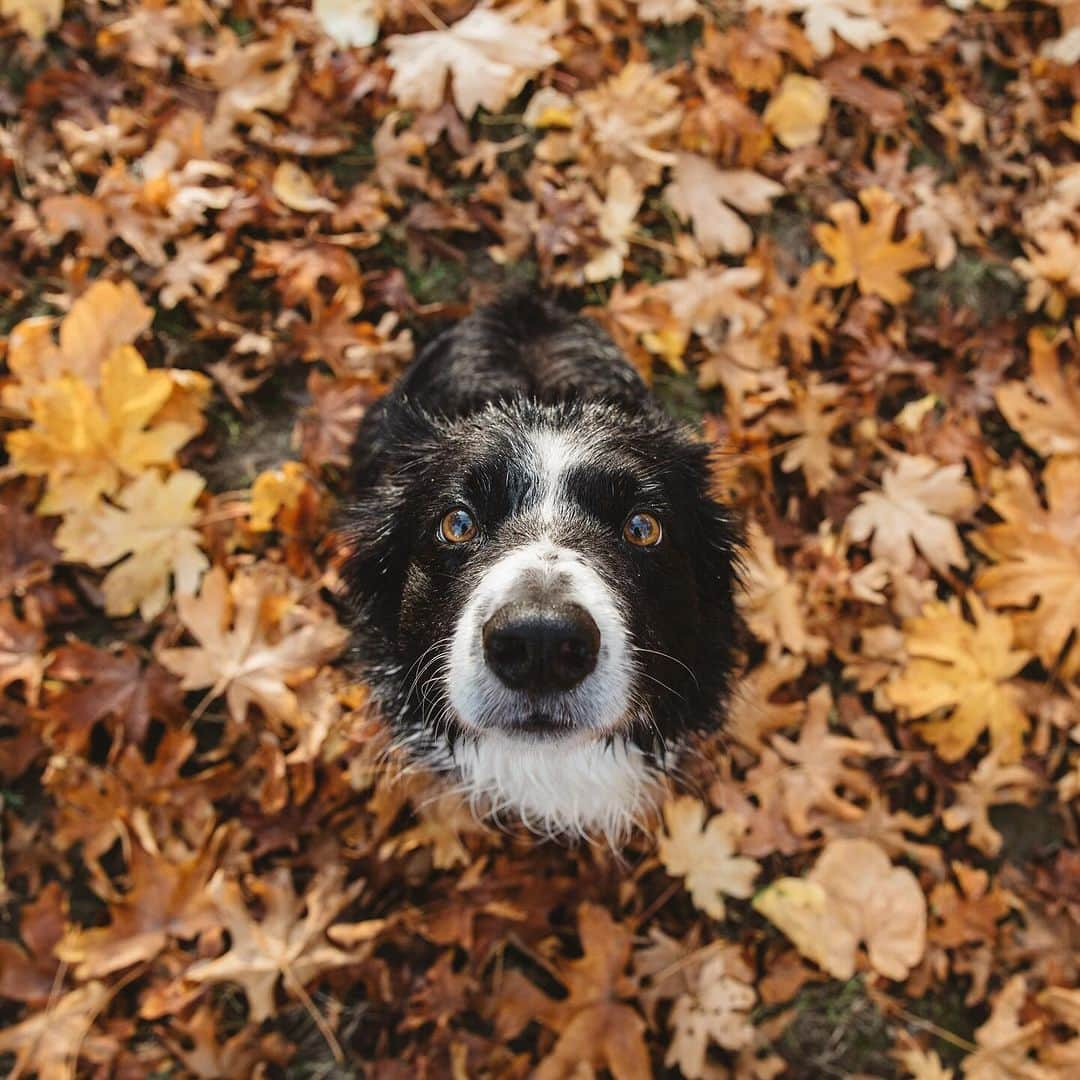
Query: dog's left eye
column 642, row 529
column 457, row 526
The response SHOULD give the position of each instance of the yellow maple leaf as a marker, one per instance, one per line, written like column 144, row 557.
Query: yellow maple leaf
column 704, row 855
column 84, row 441
column 153, row 524
column 865, row 252
column 1036, row 552
column 275, row 490
column 962, row 670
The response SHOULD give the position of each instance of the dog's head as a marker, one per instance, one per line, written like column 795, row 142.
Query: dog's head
column 544, row 600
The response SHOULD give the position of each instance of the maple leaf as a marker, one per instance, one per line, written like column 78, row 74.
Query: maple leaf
column 103, row 684
column 853, row 895
column 50, row 1041
column 288, row 942
column 704, row 855
column 596, row 1028
column 797, row 112
column 244, row 652
column 166, row 899
column 1004, row 1044
column 772, row 604
column 489, row 56
column 716, row 1010
column 866, row 253
column 851, row 20
column 812, row 422
column 195, row 270
column 27, row 553
column 241, row 1054
column 152, row 522
column 704, row 194
column 962, row 668
column 101, row 320
column 805, row 776
column 1045, row 410
column 1036, row 552
column 84, row 441
column 21, row 642
column 615, row 223
column 326, row 430
column 917, row 505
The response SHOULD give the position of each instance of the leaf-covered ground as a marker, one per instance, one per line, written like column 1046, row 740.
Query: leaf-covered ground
column 841, row 235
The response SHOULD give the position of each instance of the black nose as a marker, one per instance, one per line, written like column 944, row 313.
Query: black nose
column 543, row 649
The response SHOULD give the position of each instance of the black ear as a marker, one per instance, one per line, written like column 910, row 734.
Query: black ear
column 393, row 460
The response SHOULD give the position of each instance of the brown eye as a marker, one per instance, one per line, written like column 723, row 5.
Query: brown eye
column 457, row 526
column 642, row 529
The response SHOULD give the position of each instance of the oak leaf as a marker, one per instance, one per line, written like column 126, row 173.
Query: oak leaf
column 297, row 190
column 917, row 505
column 990, row 784
column 704, row 195
column 865, row 253
column 21, row 645
column 1036, row 555
column 853, row 895
column 288, row 942
column 704, row 855
column 962, row 670
column 197, row 268
column 150, row 528
column 488, row 56
column 246, row 650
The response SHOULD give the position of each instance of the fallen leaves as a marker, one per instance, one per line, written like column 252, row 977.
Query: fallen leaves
column 865, row 253
column 486, row 56
column 852, row 896
column 840, row 234
column 704, row 855
column 958, row 676
column 254, row 644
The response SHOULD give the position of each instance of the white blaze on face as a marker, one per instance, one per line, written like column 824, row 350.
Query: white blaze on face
column 575, row 778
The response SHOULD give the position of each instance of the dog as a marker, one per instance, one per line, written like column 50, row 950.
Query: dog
column 540, row 585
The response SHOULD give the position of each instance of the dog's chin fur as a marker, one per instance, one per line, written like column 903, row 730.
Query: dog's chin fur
column 532, row 419
column 573, row 787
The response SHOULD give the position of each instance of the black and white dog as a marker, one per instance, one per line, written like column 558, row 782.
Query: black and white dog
column 542, row 586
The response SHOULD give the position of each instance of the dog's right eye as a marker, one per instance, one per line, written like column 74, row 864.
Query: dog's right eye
column 458, row 526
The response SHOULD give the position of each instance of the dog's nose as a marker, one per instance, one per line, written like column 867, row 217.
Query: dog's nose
column 542, row 649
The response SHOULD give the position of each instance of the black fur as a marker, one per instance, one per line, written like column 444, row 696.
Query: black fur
column 450, row 431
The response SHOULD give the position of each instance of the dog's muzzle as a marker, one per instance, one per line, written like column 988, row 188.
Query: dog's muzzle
column 541, row 648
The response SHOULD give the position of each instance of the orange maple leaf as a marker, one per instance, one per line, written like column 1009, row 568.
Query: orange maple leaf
column 865, row 253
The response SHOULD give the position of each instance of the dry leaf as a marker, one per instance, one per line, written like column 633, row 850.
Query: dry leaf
column 917, row 505
column 246, row 651
column 152, row 522
column 487, row 56
column 797, row 112
column 704, row 195
column 34, row 17
column 865, row 253
column 705, row 854
column 297, row 190
column 288, row 942
column 852, row 896
column 349, row 22
column 1005, row 1044
column 962, row 670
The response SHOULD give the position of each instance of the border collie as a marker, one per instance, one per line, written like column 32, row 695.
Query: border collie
column 541, row 586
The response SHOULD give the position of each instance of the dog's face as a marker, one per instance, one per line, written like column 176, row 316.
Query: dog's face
column 545, row 602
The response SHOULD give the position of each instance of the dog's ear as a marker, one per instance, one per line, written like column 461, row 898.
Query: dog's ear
column 393, row 463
